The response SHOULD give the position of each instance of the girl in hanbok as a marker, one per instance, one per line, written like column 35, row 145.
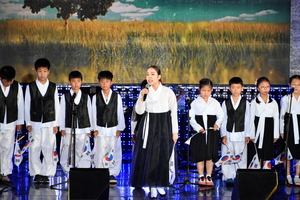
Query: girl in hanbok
column 264, row 121
column 290, row 104
column 206, row 116
column 157, row 133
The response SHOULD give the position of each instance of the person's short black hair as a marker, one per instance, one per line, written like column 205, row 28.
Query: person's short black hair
column 42, row 62
column 143, row 84
column 7, row 72
column 260, row 80
column 205, row 81
column 293, row 77
column 105, row 75
column 236, row 80
column 75, row 74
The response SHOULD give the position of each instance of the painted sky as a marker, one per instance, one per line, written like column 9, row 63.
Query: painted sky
column 174, row 10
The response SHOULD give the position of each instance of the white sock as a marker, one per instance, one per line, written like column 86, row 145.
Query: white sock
column 161, row 190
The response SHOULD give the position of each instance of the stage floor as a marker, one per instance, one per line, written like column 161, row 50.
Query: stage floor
column 24, row 189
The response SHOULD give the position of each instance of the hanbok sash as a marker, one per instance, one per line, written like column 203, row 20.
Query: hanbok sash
column 296, row 129
column 295, row 122
column 146, row 130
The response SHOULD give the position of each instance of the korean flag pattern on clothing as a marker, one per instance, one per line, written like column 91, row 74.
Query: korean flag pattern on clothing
column 225, row 158
column 18, row 157
column 86, row 150
column 55, row 154
column 27, row 145
column 109, row 160
column 267, row 165
column 237, row 158
column 281, row 157
column 255, row 164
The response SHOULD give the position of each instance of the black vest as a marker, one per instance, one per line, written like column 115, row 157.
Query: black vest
column 236, row 117
column 11, row 101
column 42, row 108
column 107, row 114
column 81, row 109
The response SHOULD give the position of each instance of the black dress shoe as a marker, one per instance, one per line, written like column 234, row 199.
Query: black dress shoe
column 45, row 179
column 37, row 179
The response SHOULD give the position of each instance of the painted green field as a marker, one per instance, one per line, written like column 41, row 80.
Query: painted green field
column 186, row 52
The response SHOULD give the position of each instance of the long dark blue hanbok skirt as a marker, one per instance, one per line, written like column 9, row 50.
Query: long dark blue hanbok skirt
column 150, row 166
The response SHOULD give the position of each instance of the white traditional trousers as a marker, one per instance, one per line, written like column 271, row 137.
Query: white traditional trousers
column 6, row 151
column 235, row 147
column 104, row 145
column 80, row 162
column 45, row 143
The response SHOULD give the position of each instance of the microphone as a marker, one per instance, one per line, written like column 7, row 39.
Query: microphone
column 291, row 90
column 188, row 101
column 147, row 86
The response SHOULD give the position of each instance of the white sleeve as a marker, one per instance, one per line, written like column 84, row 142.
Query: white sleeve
column 276, row 120
column 27, row 106
column 20, row 103
column 220, row 114
column 223, row 130
column 140, row 105
column 247, row 120
column 56, row 107
column 192, row 114
column 251, row 120
column 283, row 105
column 89, row 108
column 133, row 121
column 62, row 113
column 132, row 126
column 121, row 119
column 94, row 113
column 173, row 108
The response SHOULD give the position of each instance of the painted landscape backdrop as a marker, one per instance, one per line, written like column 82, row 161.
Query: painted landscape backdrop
column 187, row 39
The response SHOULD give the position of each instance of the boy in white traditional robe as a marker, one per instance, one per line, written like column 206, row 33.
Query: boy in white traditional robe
column 108, row 122
column 235, row 129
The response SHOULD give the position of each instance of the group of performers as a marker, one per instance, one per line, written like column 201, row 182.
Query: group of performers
column 247, row 130
column 43, row 114
column 242, row 126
